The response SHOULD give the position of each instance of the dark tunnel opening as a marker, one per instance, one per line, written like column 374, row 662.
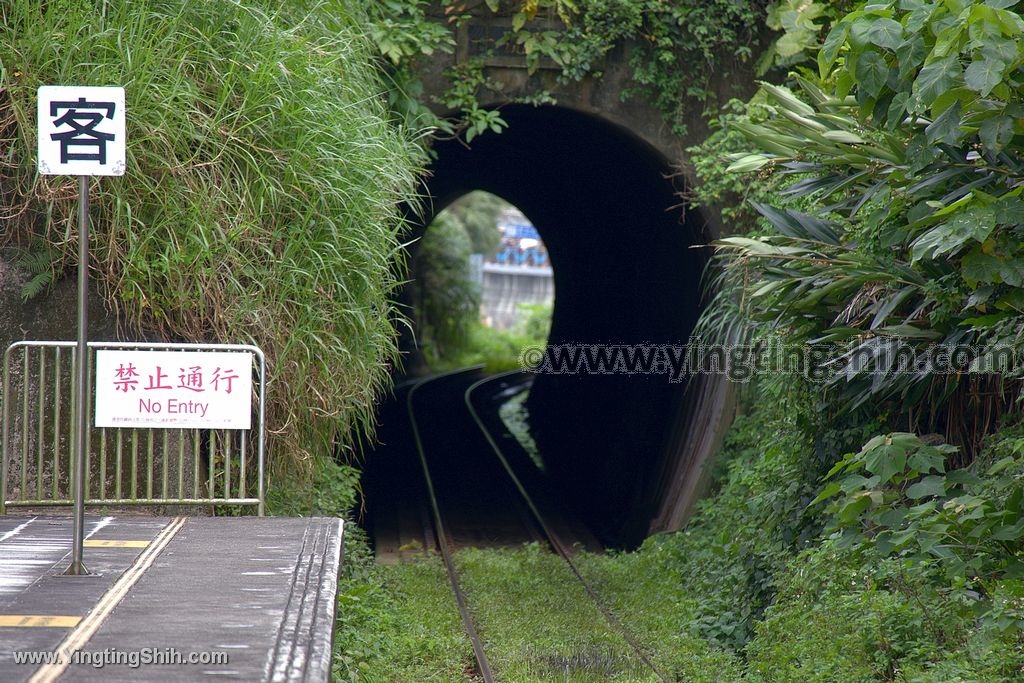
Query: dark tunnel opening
column 625, row 273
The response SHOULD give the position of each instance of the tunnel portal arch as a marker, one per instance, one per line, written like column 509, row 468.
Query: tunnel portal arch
column 626, row 272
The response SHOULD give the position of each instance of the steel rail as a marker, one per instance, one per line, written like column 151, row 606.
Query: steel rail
column 552, row 537
column 442, row 538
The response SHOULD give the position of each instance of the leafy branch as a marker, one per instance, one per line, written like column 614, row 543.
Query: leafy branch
column 896, row 494
column 903, row 154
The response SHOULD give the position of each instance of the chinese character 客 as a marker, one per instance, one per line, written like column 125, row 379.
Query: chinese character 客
column 82, row 117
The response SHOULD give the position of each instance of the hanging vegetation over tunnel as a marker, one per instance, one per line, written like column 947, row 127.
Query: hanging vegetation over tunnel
column 679, row 54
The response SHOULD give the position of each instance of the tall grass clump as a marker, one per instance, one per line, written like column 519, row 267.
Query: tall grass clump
column 261, row 199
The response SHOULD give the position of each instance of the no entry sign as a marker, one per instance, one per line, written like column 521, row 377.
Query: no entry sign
column 173, row 389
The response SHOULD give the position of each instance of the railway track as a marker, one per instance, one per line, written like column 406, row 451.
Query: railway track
column 491, row 494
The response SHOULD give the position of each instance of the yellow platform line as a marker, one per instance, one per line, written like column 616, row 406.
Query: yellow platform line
column 77, row 639
column 105, row 543
column 37, row 621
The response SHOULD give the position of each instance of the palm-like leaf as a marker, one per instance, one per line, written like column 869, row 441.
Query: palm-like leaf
column 914, row 239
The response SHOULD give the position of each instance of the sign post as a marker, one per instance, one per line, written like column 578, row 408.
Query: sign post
column 81, row 379
column 81, row 133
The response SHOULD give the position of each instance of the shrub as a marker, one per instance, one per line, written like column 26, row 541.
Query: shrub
column 260, row 199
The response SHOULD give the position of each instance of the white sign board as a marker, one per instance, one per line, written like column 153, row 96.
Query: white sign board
column 173, row 389
column 81, row 130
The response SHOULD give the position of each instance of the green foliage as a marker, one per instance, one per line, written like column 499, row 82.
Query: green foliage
column 754, row 574
column 991, row 651
column 1004, row 453
column 402, row 34
column 650, row 592
column 332, row 492
column 687, row 46
column 802, row 606
column 752, row 590
column 802, row 26
column 500, row 350
column 40, row 264
column 399, row 623
column 680, row 53
column 400, row 30
column 852, row 615
column 539, row 624
column 913, row 582
column 905, row 146
column 496, row 350
column 448, row 299
column 260, row 199
column 743, row 533
column 394, row 623
column 896, row 495
column 468, row 78
column 720, row 189
column 845, row 616
column 730, row 196
column 534, row 325
column 479, row 212
column 532, row 33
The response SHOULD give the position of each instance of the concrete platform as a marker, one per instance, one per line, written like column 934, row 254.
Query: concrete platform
column 185, row 598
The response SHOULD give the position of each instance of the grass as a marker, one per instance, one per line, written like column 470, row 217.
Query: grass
column 497, row 350
column 537, row 622
column 729, row 599
column 399, row 623
column 261, row 198
column 646, row 591
column 738, row 596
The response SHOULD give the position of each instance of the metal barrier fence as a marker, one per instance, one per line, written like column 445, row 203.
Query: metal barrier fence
column 125, row 466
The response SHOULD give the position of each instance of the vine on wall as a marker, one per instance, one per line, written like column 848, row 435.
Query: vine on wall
column 677, row 50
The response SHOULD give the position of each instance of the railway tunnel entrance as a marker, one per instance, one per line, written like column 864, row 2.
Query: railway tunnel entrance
column 625, row 274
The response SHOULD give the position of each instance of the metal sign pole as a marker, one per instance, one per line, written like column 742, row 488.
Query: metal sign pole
column 81, row 133
column 81, row 377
